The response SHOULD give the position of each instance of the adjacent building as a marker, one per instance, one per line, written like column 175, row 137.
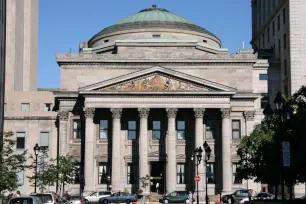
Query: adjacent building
column 278, row 34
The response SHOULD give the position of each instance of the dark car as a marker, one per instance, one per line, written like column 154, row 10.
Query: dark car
column 264, row 196
column 25, row 200
column 237, row 196
column 120, row 197
column 175, row 197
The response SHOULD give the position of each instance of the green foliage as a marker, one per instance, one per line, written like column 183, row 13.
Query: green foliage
column 11, row 163
column 65, row 170
column 260, row 152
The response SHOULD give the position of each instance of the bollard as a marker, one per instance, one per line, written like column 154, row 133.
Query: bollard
column 218, row 198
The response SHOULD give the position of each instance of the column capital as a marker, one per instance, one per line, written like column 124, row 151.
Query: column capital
column 63, row 115
column 249, row 115
column 116, row 113
column 143, row 112
column 171, row 112
column 89, row 112
column 226, row 112
column 199, row 112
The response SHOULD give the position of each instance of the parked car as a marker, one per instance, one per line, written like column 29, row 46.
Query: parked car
column 76, row 199
column 120, row 197
column 175, row 197
column 25, row 200
column 239, row 196
column 264, row 196
column 50, row 198
column 95, row 196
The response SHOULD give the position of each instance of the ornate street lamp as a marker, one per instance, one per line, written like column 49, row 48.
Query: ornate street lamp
column 36, row 151
column 198, row 153
column 284, row 112
column 207, row 157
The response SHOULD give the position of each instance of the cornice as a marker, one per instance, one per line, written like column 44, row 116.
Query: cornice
column 30, row 118
column 137, row 95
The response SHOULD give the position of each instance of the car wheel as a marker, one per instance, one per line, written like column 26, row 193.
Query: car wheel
column 105, row 201
column 128, row 201
column 166, row 201
column 229, row 200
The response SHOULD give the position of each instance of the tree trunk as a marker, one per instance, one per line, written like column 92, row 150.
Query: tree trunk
column 62, row 184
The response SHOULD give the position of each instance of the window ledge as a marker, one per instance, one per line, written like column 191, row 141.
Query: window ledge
column 181, row 142
column 102, row 141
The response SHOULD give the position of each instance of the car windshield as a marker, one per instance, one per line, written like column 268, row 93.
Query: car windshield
column 45, row 198
column 21, row 201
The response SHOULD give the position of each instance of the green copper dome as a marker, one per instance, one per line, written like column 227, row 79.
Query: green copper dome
column 154, row 14
column 151, row 18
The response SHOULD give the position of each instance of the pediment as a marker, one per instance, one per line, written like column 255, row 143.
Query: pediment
column 157, row 79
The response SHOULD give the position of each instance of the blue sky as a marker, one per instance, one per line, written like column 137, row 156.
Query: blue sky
column 63, row 24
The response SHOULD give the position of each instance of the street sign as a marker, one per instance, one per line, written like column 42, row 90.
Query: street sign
column 286, row 154
column 197, row 178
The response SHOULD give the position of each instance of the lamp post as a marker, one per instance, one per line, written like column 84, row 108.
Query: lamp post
column 207, row 157
column 284, row 112
column 198, row 153
column 36, row 151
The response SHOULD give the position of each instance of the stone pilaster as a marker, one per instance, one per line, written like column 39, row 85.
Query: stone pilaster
column 116, row 153
column 63, row 141
column 226, row 151
column 171, row 151
column 249, row 121
column 199, row 141
column 143, row 146
column 89, row 150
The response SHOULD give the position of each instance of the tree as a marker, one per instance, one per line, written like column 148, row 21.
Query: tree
column 65, row 171
column 46, row 174
column 11, row 164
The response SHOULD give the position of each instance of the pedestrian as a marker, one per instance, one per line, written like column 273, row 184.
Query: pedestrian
column 157, row 187
column 250, row 194
column 190, row 197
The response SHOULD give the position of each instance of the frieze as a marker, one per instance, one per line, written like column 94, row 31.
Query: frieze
column 151, row 95
column 156, row 82
column 166, row 56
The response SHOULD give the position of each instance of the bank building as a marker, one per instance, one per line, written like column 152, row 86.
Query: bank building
column 137, row 100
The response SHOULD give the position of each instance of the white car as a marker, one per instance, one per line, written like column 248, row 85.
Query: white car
column 95, row 196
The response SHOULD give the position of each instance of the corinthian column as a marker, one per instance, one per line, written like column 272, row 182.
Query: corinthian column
column 143, row 146
column 171, row 151
column 116, row 153
column 63, row 119
column 226, row 151
column 249, row 121
column 199, row 140
column 89, row 150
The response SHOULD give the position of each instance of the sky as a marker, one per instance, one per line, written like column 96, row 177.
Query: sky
column 63, row 24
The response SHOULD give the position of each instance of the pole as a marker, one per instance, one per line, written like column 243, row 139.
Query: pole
column 197, row 185
column 206, row 196
column 2, row 65
column 281, row 155
column 35, row 173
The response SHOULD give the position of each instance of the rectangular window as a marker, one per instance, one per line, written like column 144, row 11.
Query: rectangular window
column 279, row 48
column 76, row 172
column 20, row 176
column 25, row 107
column 44, row 140
column 285, row 41
column 263, row 76
column 235, row 179
column 284, row 16
column 264, row 101
column 180, row 173
column 285, row 67
column 20, row 141
column 132, row 173
column 156, row 130
column 48, row 107
column 209, row 133
column 268, row 34
column 236, row 129
column 278, row 22
column 103, row 129
column 210, row 173
column 180, row 130
column 156, row 36
column 103, row 173
column 132, row 130
column 273, row 28
column 77, row 131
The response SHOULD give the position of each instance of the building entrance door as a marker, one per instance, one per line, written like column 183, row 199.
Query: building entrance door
column 157, row 177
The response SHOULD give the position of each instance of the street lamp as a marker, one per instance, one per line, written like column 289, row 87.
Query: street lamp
column 198, row 153
column 36, row 151
column 284, row 112
column 207, row 157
